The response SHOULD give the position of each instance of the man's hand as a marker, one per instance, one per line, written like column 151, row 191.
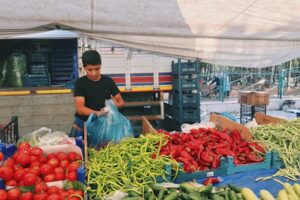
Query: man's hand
column 103, row 111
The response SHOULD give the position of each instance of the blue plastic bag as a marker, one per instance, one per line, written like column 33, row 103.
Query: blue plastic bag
column 111, row 127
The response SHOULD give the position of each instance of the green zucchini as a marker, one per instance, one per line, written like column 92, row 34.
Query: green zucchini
column 171, row 196
column 234, row 188
column 232, row 195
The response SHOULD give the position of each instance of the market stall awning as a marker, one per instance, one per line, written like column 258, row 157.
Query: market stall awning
column 233, row 33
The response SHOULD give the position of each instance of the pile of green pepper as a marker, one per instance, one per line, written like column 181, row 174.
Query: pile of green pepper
column 284, row 139
column 128, row 166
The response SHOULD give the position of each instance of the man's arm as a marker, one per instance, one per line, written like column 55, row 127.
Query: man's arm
column 118, row 100
column 81, row 108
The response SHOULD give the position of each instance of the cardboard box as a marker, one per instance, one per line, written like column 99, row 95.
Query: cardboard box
column 253, row 98
column 147, row 127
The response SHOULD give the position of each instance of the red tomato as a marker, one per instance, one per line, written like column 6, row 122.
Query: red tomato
column 64, row 163
column 1, row 156
column 59, row 177
column 71, row 191
column 14, row 194
column 6, row 173
column 49, row 178
column 16, row 167
column 43, row 160
column 29, row 179
column 24, row 145
column 38, row 180
column 52, row 190
column 11, row 182
column 72, row 156
column 35, row 164
column 65, row 195
column 19, row 173
column 73, row 166
column 79, row 192
column 3, row 194
column 46, row 169
column 71, row 176
column 59, row 170
column 9, row 163
column 54, row 197
column 40, row 187
column 41, row 196
column 73, row 198
column 27, row 196
column 61, row 156
column 78, row 157
column 51, row 155
column 36, row 151
column 53, row 161
column 23, row 159
column 33, row 158
column 21, row 183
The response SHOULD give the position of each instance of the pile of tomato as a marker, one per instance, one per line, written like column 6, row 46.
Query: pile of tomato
column 30, row 167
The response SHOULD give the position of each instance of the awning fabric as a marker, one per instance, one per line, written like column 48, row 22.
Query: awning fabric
column 239, row 33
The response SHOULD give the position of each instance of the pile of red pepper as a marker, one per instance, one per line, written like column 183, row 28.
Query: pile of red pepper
column 202, row 148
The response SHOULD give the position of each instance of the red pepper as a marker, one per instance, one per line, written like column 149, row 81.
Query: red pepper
column 211, row 180
column 257, row 147
column 224, row 152
column 186, row 155
column 236, row 136
column 216, row 163
column 207, row 156
column 255, row 158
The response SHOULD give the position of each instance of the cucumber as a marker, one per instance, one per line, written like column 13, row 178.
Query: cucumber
column 206, row 189
column 161, row 194
column 133, row 194
column 132, row 198
column 216, row 197
column 232, row 195
column 234, row 188
column 187, row 188
column 195, row 196
column 171, row 196
column 184, row 196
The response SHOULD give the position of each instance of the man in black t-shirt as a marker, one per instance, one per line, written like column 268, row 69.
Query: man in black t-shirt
column 91, row 91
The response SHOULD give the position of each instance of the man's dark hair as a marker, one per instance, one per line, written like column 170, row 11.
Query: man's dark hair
column 91, row 57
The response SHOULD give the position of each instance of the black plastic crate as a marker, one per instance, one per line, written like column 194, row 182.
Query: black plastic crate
column 187, row 115
column 247, row 112
column 35, row 80
column 9, row 133
column 38, row 68
column 185, row 98
column 185, row 83
column 38, row 57
column 185, row 68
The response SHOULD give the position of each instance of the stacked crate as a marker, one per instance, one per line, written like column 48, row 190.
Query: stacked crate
column 38, row 69
column 186, row 92
column 63, row 64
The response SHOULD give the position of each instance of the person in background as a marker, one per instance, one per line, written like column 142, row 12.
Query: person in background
column 91, row 91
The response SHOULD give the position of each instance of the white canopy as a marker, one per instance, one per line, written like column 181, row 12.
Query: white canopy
column 234, row 32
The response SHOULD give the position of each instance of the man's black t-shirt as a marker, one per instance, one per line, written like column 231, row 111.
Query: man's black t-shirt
column 94, row 92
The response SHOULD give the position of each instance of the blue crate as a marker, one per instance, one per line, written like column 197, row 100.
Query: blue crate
column 185, row 83
column 232, row 168
column 184, row 176
column 35, row 80
column 190, row 98
column 276, row 162
column 81, row 174
column 185, row 68
column 168, row 169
